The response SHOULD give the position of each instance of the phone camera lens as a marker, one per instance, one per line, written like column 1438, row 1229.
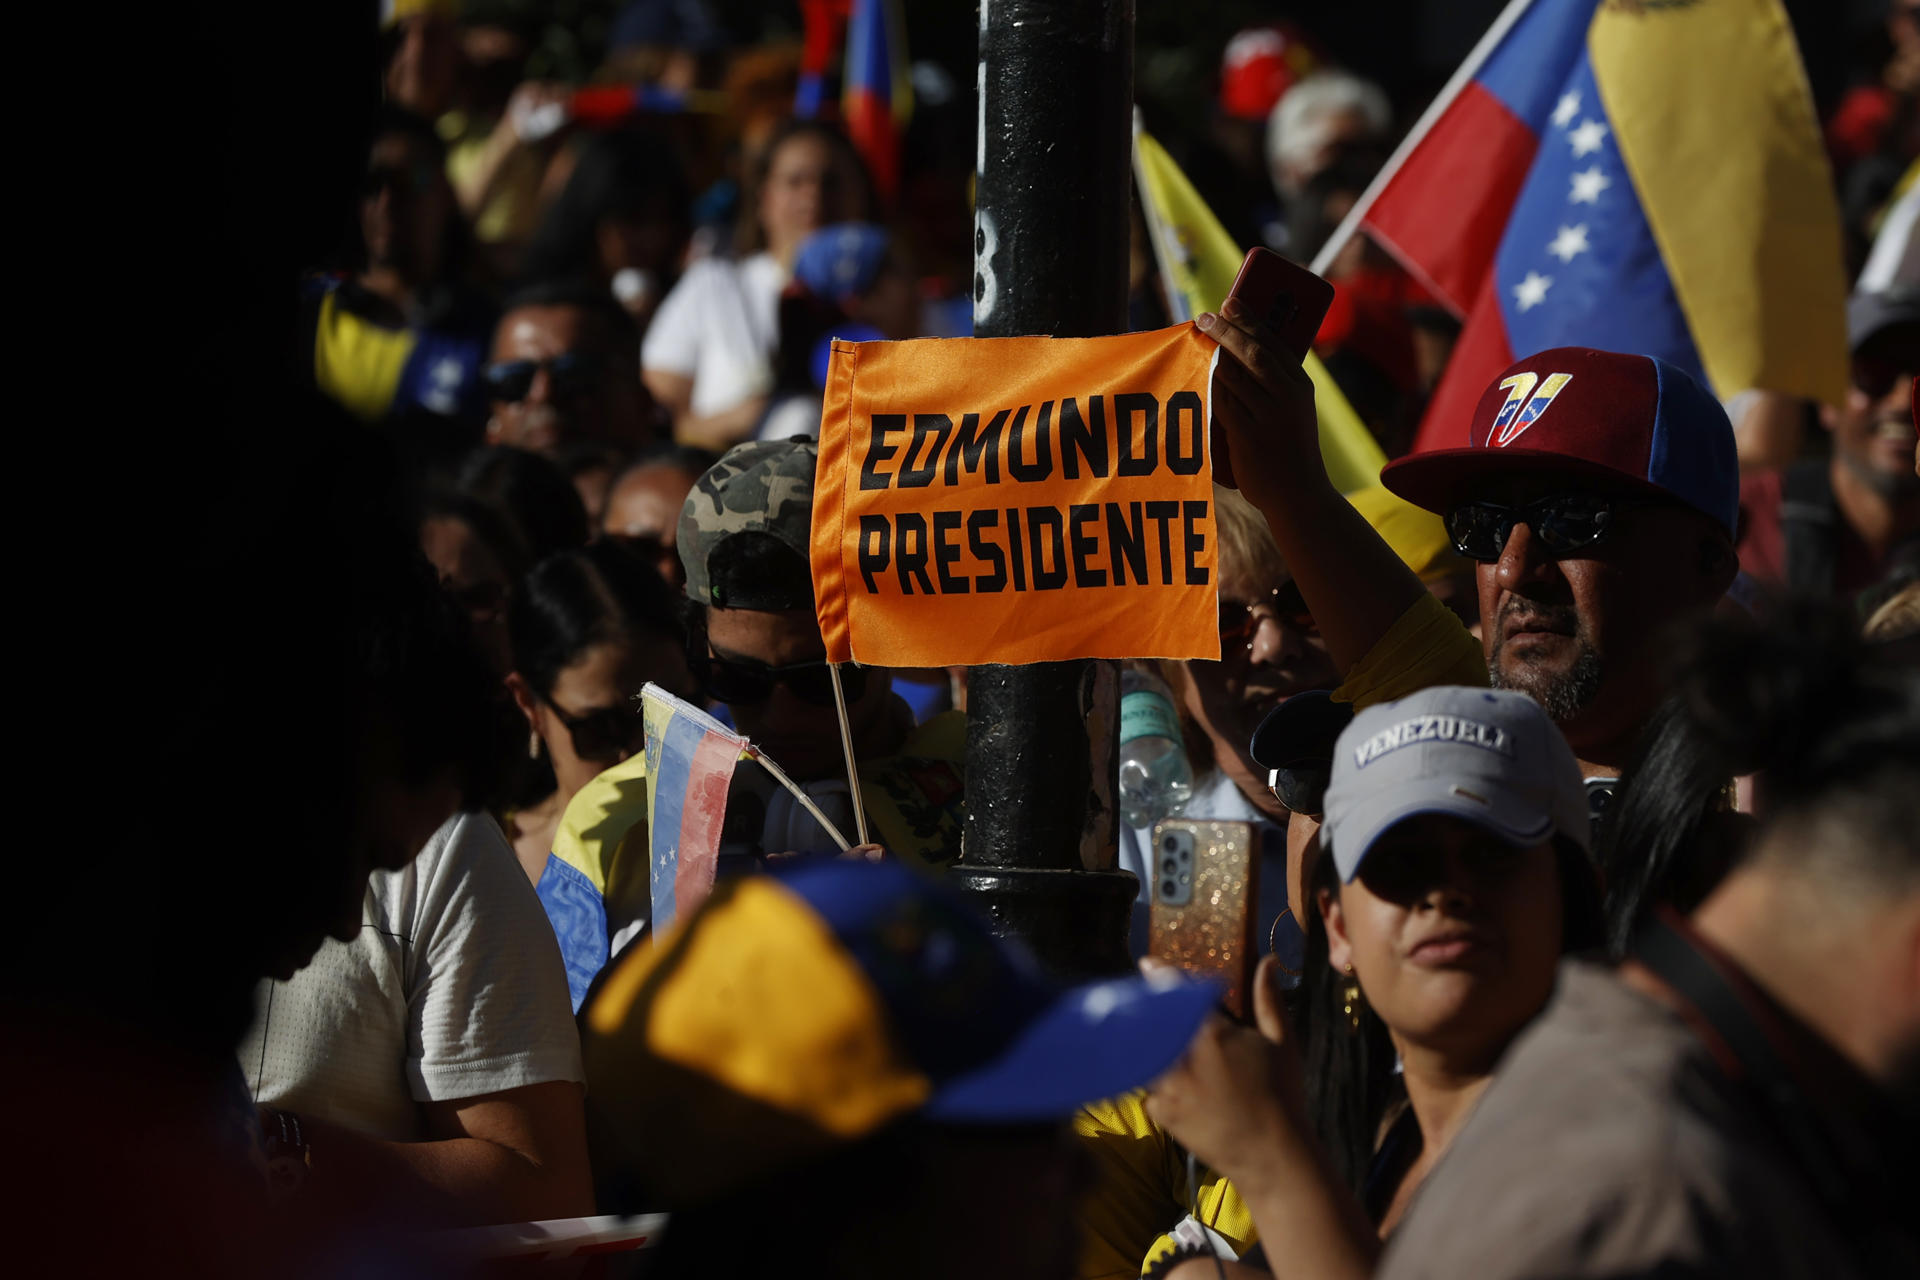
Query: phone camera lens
column 1169, row 866
column 1170, row 843
column 1168, row 888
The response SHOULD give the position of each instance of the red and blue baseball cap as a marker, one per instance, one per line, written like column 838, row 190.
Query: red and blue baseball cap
column 797, row 1012
column 1622, row 422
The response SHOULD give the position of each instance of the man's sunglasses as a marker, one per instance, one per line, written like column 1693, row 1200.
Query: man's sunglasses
column 1302, row 790
column 602, row 734
column 571, row 374
column 743, row 683
column 1564, row 523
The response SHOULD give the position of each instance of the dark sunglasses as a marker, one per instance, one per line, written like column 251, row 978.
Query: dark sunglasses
column 1302, row 790
column 1564, row 523
column 602, row 734
column 744, row 683
column 571, row 374
column 1876, row 377
column 1238, row 621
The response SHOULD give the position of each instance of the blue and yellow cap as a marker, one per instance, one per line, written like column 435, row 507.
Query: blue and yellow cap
column 794, row 1013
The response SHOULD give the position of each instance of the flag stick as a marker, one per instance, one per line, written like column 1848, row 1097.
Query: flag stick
column 1437, row 108
column 806, row 801
column 1157, row 232
column 846, row 746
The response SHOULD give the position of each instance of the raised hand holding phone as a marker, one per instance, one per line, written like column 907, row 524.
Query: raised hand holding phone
column 1263, row 399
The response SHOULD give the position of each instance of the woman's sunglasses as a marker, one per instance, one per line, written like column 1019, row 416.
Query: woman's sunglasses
column 571, row 373
column 1564, row 523
column 602, row 734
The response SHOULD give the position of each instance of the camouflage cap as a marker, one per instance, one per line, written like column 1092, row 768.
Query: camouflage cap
column 763, row 486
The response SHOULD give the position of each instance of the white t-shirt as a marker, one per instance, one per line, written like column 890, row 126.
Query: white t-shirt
column 720, row 326
column 453, row 988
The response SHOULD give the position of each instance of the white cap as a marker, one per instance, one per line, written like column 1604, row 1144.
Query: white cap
column 1492, row 758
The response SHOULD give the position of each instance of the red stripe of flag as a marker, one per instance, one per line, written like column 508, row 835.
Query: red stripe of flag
column 1443, row 213
column 701, row 817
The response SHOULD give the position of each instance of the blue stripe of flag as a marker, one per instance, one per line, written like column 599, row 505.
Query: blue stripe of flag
column 674, row 773
column 1578, row 265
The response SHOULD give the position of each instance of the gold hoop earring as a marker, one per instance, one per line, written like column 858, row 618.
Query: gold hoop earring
column 1273, row 932
column 1352, row 1000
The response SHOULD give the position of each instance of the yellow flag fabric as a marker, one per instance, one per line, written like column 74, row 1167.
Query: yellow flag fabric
column 1709, row 104
column 1199, row 261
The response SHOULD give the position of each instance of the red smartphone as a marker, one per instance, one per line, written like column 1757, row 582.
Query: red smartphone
column 1284, row 296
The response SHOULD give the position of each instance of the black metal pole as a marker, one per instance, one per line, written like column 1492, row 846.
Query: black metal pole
column 1050, row 257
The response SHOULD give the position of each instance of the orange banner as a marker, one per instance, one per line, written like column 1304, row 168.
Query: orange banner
column 1010, row 500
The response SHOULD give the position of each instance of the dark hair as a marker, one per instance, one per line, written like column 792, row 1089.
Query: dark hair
column 496, row 530
column 688, row 457
column 749, row 236
column 1668, row 836
column 578, row 599
column 577, row 457
column 621, row 174
column 531, row 492
column 1350, row 1080
column 615, row 325
column 1830, row 721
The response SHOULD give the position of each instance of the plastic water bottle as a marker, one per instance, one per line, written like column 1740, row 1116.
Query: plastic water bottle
column 1155, row 779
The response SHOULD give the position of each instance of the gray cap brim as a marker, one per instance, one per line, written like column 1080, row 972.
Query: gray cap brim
column 1370, row 818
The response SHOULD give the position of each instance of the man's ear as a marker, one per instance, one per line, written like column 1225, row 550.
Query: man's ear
column 1339, row 949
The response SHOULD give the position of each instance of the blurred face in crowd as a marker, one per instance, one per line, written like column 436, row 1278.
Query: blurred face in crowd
column 590, row 719
column 1873, row 432
column 420, row 74
column 476, row 578
column 404, row 207
column 1581, row 634
column 1453, row 934
column 794, row 722
column 555, row 378
column 809, row 185
column 643, row 512
column 1270, row 650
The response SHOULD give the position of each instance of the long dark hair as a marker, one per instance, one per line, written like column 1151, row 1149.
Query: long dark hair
column 1669, row 835
column 1350, row 1080
column 577, row 599
column 621, row 174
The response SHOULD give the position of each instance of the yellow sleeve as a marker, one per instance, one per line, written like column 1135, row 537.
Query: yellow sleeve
column 1140, row 1191
column 1426, row 646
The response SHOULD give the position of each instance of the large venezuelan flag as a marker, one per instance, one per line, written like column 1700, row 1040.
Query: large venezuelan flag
column 1636, row 178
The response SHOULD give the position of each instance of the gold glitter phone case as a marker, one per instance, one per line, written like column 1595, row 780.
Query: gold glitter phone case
column 1203, row 901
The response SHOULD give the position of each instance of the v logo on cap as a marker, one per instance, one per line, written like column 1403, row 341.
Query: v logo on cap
column 1523, row 405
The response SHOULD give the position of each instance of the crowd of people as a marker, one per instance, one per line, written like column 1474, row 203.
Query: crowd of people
column 1588, row 811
